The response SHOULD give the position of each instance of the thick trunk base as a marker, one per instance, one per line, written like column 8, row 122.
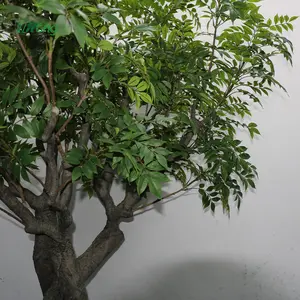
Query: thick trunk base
column 55, row 265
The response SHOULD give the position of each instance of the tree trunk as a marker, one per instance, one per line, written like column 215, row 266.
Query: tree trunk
column 55, row 263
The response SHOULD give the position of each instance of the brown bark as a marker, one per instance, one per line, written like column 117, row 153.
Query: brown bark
column 55, row 262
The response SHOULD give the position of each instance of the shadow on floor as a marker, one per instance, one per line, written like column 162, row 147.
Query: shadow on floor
column 210, row 280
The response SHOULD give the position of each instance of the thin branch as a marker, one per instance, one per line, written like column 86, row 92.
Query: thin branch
column 62, row 186
column 36, row 177
column 21, row 192
column 16, row 206
column 216, row 25
column 82, row 79
column 63, row 127
column 46, row 90
column 50, row 71
column 11, row 215
column 167, row 196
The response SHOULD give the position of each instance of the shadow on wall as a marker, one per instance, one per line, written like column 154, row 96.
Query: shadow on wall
column 210, row 280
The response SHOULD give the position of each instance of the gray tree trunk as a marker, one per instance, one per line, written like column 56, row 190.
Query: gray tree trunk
column 55, row 264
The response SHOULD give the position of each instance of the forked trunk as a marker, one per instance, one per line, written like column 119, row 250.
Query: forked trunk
column 55, row 264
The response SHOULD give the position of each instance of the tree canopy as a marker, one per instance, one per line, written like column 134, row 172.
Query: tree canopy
column 191, row 70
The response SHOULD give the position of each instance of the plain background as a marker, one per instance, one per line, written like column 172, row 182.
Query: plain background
column 178, row 252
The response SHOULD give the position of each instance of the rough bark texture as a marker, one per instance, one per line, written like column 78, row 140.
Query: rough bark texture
column 55, row 262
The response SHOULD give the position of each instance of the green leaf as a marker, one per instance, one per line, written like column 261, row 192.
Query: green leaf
column 53, row 6
column 148, row 155
column 142, row 183
column 134, row 81
column 99, row 74
column 154, row 142
column 106, row 45
column 160, row 177
column 26, row 93
column 142, row 86
column 76, row 3
column 131, row 93
column 5, row 96
column 16, row 170
column 155, row 166
column 23, row 12
column 21, row 131
column 37, row 106
column 133, row 175
column 24, row 174
column 111, row 18
column 144, row 28
column 162, row 151
column 82, row 15
column 74, row 156
column 13, row 94
column 25, row 157
column 62, row 26
column 224, row 172
column 107, row 80
column 79, row 30
column 116, row 69
column 87, row 170
column 155, row 187
column 3, row 65
column 162, row 160
column 251, row 183
column 145, row 97
column 65, row 103
column 245, row 155
column 152, row 90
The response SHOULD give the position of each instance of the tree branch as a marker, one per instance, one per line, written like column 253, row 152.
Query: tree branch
column 102, row 186
column 82, row 79
column 50, row 71
column 84, row 136
column 110, row 239
column 167, row 196
column 50, row 125
column 36, row 177
column 52, row 178
column 18, row 191
column 132, row 197
column 46, row 90
column 214, row 41
column 105, row 244
column 16, row 206
column 66, row 192
column 64, row 126
column 11, row 215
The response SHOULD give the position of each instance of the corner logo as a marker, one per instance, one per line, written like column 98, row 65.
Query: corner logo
column 32, row 27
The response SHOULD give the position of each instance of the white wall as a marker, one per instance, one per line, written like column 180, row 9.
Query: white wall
column 183, row 253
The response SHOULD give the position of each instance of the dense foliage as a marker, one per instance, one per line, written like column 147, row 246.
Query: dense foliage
column 163, row 87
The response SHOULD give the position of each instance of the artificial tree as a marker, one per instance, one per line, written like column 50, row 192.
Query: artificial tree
column 137, row 91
